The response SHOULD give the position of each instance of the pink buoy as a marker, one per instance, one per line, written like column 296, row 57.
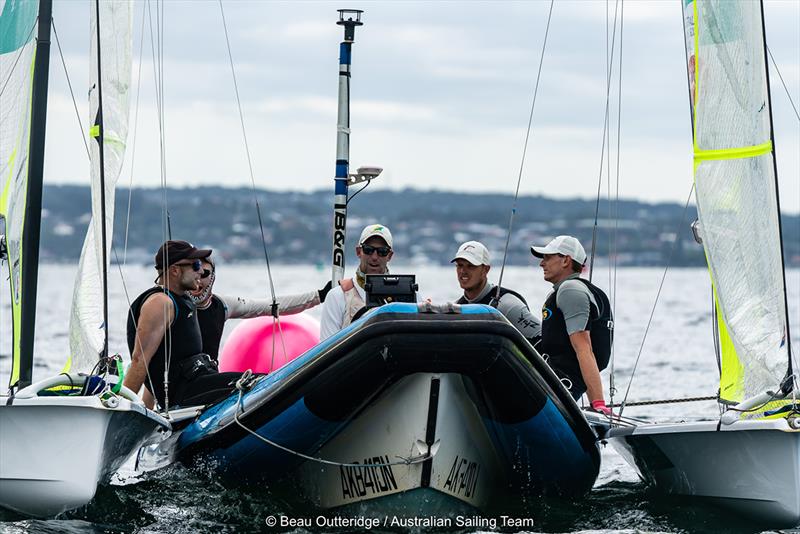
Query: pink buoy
column 251, row 344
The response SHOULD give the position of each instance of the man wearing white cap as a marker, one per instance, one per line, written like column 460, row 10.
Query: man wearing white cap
column 472, row 267
column 577, row 325
column 374, row 252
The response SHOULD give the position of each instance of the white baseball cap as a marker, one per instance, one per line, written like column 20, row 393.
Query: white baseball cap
column 474, row 252
column 563, row 244
column 378, row 230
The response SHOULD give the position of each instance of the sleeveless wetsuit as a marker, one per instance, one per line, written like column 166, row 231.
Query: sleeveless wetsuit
column 182, row 336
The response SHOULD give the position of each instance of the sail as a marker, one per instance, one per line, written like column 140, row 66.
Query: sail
column 87, row 328
column 17, row 55
column 736, row 192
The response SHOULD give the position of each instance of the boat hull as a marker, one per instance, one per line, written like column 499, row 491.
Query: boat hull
column 55, row 450
column 750, row 467
column 404, row 403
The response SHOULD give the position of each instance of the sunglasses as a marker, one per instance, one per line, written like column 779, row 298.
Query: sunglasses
column 196, row 265
column 206, row 273
column 382, row 251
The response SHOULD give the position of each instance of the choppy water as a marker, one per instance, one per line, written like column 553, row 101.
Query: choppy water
column 676, row 361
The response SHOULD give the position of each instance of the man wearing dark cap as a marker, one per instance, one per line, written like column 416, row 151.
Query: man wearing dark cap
column 164, row 335
column 577, row 324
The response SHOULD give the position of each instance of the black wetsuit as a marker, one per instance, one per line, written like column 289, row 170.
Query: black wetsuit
column 558, row 348
column 212, row 322
column 184, row 339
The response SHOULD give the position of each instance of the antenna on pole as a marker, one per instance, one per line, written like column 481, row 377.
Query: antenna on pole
column 349, row 18
column 350, row 24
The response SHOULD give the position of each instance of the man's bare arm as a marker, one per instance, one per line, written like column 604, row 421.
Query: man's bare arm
column 582, row 343
column 157, row 313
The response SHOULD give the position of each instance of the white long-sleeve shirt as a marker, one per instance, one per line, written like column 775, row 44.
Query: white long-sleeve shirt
column 246, row 308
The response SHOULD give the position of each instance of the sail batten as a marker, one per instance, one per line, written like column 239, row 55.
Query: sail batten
column 736, row 192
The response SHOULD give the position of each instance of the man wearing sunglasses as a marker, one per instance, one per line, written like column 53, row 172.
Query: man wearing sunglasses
column 213, row 310
column 374, row 252
column 472, row 270
column 164, row 335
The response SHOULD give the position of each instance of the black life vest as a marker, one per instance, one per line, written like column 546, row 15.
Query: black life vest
column 489, row 300
column 212, row 323
column 182, row 336
column 555, row 340
column 488, row 297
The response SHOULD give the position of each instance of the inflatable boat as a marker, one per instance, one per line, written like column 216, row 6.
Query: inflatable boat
column 411, row 407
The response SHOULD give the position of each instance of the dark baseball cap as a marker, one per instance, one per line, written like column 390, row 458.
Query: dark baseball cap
column 171, row 252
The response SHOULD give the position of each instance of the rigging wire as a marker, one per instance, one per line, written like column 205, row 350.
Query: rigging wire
column 247, row 151
column 615, row 239
column 71, row 93
column 603, row 146
column 785, row 88
column 655, row 303
column 133, row 139
column 275, row 313
column 524, row 150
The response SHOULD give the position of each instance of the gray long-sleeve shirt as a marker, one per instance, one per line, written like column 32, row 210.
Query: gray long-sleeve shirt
column 514, row 310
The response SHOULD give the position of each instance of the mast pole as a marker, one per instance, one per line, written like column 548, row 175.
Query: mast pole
column 33, row 212
column 343, row 141
column 789, row 371
column 99, row 136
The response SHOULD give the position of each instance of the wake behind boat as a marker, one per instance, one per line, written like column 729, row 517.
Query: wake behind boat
column 410, row 408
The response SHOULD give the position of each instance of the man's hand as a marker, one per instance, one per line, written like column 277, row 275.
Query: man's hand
column 599, row 406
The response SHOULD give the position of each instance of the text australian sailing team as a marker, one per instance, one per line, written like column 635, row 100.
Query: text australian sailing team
column 177, row 324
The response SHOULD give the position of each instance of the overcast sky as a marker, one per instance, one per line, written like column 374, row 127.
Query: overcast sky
column 441, row 93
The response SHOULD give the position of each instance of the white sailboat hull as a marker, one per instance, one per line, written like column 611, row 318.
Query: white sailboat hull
column 55, row 450
column 749, row 467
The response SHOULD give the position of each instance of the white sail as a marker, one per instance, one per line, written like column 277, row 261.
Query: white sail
column 736, row 192
column 87, row 329
column 17, row 54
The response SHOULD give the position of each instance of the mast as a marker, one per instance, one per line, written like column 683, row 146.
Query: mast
column 343, row 141
column 97, row 132
column 33, row 211
column 789, row 370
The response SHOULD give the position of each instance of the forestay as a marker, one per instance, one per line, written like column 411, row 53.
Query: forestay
column 17, row 54
column 736, row 192
column 87, row 328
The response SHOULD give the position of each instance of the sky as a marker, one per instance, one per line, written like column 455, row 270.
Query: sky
column 441, row 96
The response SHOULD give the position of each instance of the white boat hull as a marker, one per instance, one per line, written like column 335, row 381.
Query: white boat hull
column 749, row 467
column 465, row 466
column 55, row 450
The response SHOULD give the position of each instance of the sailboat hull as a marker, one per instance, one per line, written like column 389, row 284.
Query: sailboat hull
column 55, row 450
column 409, row 410
column 749, row 467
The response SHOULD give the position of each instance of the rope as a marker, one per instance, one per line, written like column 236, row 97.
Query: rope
column 241, row 384
column 603, row 145
column 247, row 151
column 788, row 94
column 655, row 304
column 71, row 93
column 663, row 401
column 524, row 150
